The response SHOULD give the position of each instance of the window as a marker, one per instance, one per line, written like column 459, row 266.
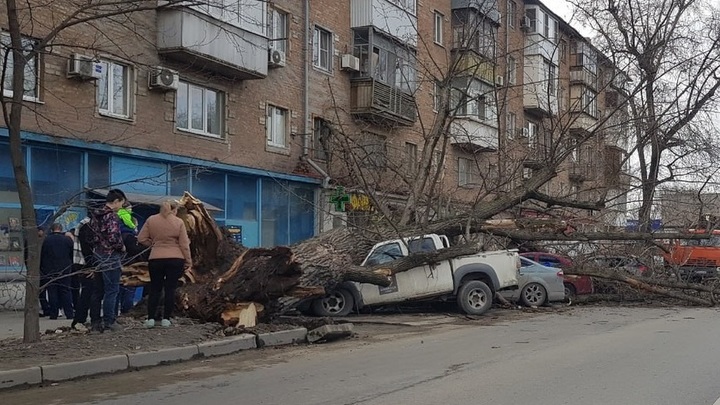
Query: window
column 411, row 162
column 278, row 30
column 527, row 172
column 532, row 134
column 512, row 70
column 511, row 13
column 552, row 74
column 590, row 102
column 511, row 125
column 199, row 110
column 531, row 15
column 438, row 28
column 276, row 126
column 468, row 172
column 322, row 49
column 437, row 96
column 482, row 107
column 374, row 151
column 563, row 51
column 114, row 90
column 546, row 25
column 30, row 89
column 322, row 134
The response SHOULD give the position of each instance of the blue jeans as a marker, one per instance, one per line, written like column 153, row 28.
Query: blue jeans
column 110, row 268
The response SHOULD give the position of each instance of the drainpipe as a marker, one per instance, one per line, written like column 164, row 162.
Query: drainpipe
column 306, row 100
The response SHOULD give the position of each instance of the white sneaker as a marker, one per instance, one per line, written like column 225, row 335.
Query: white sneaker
column 150, row 323
column 165, row 323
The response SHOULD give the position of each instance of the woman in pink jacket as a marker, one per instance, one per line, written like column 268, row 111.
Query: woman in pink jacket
column 167, row 237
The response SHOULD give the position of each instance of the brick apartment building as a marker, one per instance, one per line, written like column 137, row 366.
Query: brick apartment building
column 262, row 108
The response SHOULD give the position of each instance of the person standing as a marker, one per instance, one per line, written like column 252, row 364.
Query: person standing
column 169, row 244
column 56, row 262
column 108, row 250
column 82, row 264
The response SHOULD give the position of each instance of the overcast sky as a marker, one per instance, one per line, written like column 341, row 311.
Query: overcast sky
column 563, row 9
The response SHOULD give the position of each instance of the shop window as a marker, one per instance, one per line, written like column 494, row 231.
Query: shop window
column 274, row 213
column 302, row 213
column 139, row 176
column 56, row 175
column 242, row 198
column 179, row 180
column 98, row 171
column 7, row 177
column 210, row 188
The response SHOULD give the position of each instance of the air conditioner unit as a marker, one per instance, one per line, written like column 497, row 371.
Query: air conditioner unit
column 276, row 58
column 84, row 67
column 525, row 23
column 163, row 79
column 350, row 62
column 500, row 80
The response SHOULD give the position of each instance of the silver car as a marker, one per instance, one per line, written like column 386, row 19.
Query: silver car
column 538, row 284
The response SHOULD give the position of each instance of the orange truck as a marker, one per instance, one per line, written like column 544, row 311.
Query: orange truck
column 695, row 259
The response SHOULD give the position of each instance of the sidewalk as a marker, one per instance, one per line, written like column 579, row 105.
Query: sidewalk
column 11, row 324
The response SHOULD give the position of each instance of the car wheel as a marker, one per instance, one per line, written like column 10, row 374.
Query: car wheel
column 570, row 291
column 533, row 295
column 475, row 297
column 338, row 303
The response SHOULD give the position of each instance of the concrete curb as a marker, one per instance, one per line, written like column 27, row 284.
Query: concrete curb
column 284, row 337
column 156, row 357
column 84, row 368
column 132, row 361
column 24, row 376
column 237, row 343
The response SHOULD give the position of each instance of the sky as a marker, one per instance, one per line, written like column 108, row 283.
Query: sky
column 564, row 10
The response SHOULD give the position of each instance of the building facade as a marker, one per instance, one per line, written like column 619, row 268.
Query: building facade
column 264, row 109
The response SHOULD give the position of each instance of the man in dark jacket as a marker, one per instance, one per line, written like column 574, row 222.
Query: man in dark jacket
column 56, row 259
column 109, row 250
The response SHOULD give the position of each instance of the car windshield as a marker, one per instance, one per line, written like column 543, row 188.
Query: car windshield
column 383, row 254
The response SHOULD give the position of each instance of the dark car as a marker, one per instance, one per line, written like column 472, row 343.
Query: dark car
column 631, row 264
column 574, row 285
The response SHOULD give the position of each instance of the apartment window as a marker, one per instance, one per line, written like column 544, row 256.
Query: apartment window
column 438, row 27
column 563, row 51
column 468, row 172
column 511, row 125
column 278, row 29
column 482, row 108
column 114, row 90
column 464, row 104
column 437, row 96
column 374, row 151
column 322, row 138
column 276, row 126
column 31, row 85
column 552, row 74
column 411, row 162
column 590, row 102
column 532, row 135
column 322, row 49
column 512, row 70
column 199, row 110
column 527, row 172
column 511, row 13
column 546, row 25
column 531, row 15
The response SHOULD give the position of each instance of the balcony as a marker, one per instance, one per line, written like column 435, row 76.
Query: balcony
column 580, row 172
column 376, row 101
column 580, row 75
column 470, row 64
column 473, row 135
column 198, row 39
column 488, row 8
column 582, row 124
column 387, row 17
column 537, row 157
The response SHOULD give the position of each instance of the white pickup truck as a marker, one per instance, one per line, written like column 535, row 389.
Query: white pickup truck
column 472, row 280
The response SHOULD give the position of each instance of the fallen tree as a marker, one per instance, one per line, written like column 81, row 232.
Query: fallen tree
column 230, row 283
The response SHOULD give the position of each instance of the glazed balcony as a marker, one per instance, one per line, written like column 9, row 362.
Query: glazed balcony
column 379, row 102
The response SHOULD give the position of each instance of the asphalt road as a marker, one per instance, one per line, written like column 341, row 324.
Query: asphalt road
column 586, row 356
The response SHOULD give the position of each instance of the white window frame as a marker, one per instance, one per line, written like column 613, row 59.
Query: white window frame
column 438, row 26
column 278, row 29
column 318, row 60
column 511, row 13
column 468, row 173
column 589, row 103
column 527, row 173
column 277, row 132
column 129, row 89
column 532, row 135
column 511, row 125
column 220, row 102
column 512, row 70
column 32, row 64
